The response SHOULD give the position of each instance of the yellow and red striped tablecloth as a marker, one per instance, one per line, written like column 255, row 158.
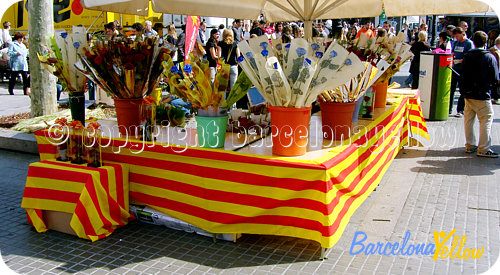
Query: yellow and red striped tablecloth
column 231, row 192
column 97, row 197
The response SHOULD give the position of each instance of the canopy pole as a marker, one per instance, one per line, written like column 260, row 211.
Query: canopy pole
column 308, row 30
column 307, row 19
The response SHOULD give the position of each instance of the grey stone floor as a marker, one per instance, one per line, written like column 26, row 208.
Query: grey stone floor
column 425, row 190
column 435, row 188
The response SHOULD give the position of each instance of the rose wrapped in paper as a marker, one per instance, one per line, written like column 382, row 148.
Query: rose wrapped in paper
column 62, row 53
column 388, row 54
column 125, row 68
column 293, row 75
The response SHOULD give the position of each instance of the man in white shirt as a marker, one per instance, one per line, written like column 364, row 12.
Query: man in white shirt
column 6, row 38
column 148, row 29
column 202, row 37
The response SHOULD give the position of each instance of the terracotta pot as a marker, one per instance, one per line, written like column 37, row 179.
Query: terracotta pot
column 336, row 119
column 290, row 130
column 128, row 114
column 380, row 94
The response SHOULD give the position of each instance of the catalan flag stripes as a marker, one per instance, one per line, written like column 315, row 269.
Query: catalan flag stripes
column 230, row 192
column 97, row 197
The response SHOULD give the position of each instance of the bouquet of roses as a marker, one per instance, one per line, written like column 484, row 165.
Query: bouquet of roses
column 293, row 75
column 388, row 54
column 60, row 56
column 193, row 84
column 123, row 67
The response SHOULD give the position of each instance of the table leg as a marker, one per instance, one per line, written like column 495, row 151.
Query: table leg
column 323, row 253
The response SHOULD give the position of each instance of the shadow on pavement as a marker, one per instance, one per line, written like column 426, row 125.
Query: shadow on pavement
column 137, row 245
column 456, row 162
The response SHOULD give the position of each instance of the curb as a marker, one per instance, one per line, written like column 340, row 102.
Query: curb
column 18, row 141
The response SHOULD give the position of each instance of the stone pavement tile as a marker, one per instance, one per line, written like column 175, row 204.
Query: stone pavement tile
column 447, row 190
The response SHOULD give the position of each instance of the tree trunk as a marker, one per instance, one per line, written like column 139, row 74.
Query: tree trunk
column 43, row 84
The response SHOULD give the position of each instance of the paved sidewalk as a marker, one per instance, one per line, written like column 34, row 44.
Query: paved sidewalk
column 435, row 188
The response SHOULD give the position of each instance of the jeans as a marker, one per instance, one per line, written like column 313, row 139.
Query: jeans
column 213, row 72
column 233, row 75
column 409, row 80
column 484, row 111
column 455, row 79
column 91, row 88
column 179, row 103
column 59, row 90
column 12, row 81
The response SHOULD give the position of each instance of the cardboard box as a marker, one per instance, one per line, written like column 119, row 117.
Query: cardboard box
column 58, row 221
column 148, row 215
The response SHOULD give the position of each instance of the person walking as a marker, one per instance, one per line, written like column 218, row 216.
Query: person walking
column 461, row 46
column 229, row 52
column 416, row 49
column 495, row 50
column 479, row 80
column 6, row 39
column 18, row 54
column 181, row 43
column 213, row 53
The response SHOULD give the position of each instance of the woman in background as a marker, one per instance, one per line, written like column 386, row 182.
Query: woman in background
column 286, row 36
column 229, row 52
column 416, row 48
column 351, row 35
column 213, row 52
column 18, row 54
column 171, row 37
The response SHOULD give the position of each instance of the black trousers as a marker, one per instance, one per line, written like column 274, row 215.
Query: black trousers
column 455, row 80
column 12, row 81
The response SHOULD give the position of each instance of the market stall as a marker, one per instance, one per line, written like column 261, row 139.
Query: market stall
column 245, row 189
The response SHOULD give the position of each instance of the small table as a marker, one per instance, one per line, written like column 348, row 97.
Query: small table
column 95, row 198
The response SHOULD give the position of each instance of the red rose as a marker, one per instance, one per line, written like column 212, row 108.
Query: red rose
column 139, row 57
column 52, row 60
column 126, row 50
column 129, row 66
column 98, row 60
column 89, row 55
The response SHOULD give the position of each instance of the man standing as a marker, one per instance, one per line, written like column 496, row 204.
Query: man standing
column 495, row 50
column 479, row 80
column 6, row 38
column 461, row 46
column 181, row 43
column 202, row 37
column 237, row 30
column 148, row 29
column 464, row 27
column 406, row 30
column 387, row 27
column 365, row 29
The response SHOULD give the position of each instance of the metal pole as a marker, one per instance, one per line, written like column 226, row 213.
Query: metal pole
column 95, row 21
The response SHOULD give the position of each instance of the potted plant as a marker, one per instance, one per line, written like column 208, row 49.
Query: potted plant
column 59, row 59
column 127, row 70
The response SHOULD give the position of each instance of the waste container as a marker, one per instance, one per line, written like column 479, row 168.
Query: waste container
column 434, row 84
